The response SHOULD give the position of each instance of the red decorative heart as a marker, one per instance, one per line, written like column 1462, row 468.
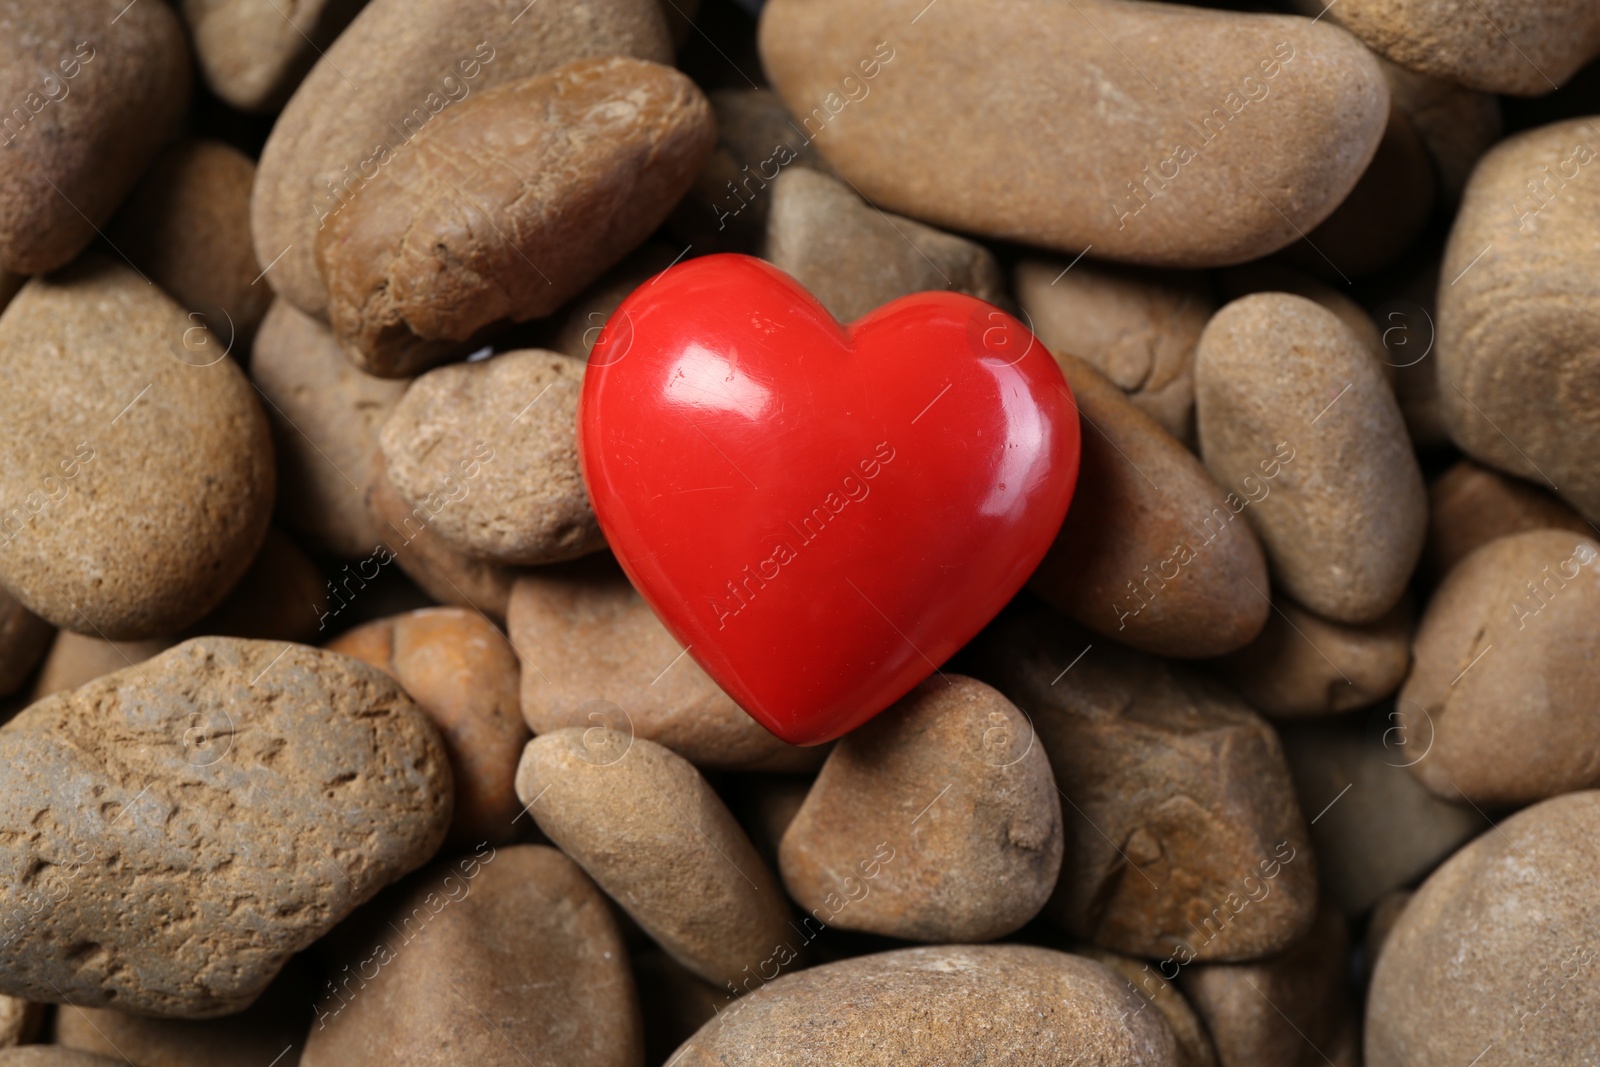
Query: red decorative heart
column 821, row 514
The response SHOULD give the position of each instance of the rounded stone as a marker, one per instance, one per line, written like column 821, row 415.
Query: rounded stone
column 1458, row 125
column 175, row 831
column 1343, row 523
column 137, row 465
column 1194, row 1044
column 937, row 820
column 1470, row 505
column 253, row 53
column 75, row 659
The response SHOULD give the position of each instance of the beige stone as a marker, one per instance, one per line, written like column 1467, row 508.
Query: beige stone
column 253, row 53
column 1272, row 276
column 76, row 659
column 1470, row 505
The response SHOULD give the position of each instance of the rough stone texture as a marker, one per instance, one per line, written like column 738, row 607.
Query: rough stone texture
column 399, row 66
column 854, row 258
column 325, row 417
column 1516, row 327
column 24, row 637
column 89, row 97
column 274, row 1026
column 1137, row 327
column 1012, row 1004
column 1183, row 837
column 1497, row 947
column 253, row 53
column 20, row 1021
column 1194, row 1043
column 1293, row 1010
column 1016, row 119
column 1378, row 829
column 657, row 839
column 1458, row 125
column 462, row 672
column 75, row 660
column 280, row 598
column 597, row 655
column 1152, row 552
column 496, row 442
column 951, row 786
column 1343, row 523
column 51, row 1056
column 568, row 171
column 576, row 328
column 501, row 958
column 444, row 573
column 1470, row 505
column 135, row 466
column 187, row 227
column 173, row 832
column 1304, row 665
column 1506, row 674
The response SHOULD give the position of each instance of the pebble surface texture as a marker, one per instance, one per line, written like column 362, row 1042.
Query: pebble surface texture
column 501, row 958
column 1183, row 837
column 1221, row 93
column 656, row 837
column 597, row 655
column 252, row 53
column 1343, row 522
column 136, row 466
column 1516, row 327
column 950, row 784
column 1470, row 505
column 1152, row 553
column 90, row 92
column 172, row 833
column 399, row 66
column 1496, row 949
column 1012, row 1004
column 566, row 171
column 496, row 444
column 1518, row 726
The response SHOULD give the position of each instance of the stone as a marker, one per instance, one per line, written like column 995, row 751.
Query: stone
column 175, row 831
column 75, row 660
column 1137, row 327
column 1293, row 1010
column 1150, row 553
column 1470, row 505
column 937, row 821
column 136, row 468
column 399, row 65
column 1385, row 914
column 325, row 417
column 1194, row 1044
column 280, row 598
column 1377, row 828
column 1183, row 837
column 651, row 832
column 577, row 327
column 568, row 171
column 186, row 226
column 1020, row 121
column 1302, row 665
column 1505, row 673
column 1497, row 948
column 51, row 1056
column 502, row 957
column 462, row 673
column 1342, row 525
column 24, row 639
column 91, row 92
column 595, row 654
column 20, row 1021
column 491, row 449
column 1517, row 303
column 1272, row 276
column 253, row 53
column 1456, row 124
column 1013, row 1004
column 854, row 258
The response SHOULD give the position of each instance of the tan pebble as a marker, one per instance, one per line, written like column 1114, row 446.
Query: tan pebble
column 1470, row 505
column 1271, row 276
column 1137, row 327
column 596, row 654
column 490, row 449
column 164, row 818
column 1183, row 837
column 90, row 91
column 655, row 836
column 282, row 597
column 1016, row 120
column 937, row 820
column 1343, row 522
column 463, row 673
column 854, row 258
column 1194, row 1044
column 1505, row 672
column 136, row 473
column 1152, row 552
column 20, row 1021
column 24, row 639
column 1458, row 125
column 253, row 53
column 944, row 1004
column 76, row 659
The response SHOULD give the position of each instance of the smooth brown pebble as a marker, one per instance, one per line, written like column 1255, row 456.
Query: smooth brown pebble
column 253, row 53
column 1458, row 125
column 1271, row 276
column 1470, row 505
column 1194, row 1044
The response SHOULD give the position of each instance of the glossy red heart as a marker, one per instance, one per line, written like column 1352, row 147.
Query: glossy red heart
column 821, row 514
